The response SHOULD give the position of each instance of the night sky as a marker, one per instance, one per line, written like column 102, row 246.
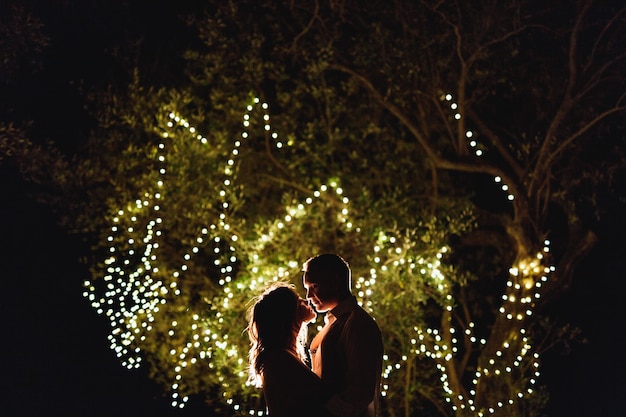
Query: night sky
column 55, row 358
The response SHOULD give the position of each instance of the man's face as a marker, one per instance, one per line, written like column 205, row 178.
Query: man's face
column 320, row 293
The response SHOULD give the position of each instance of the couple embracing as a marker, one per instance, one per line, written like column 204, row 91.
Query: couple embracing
column 345, row 356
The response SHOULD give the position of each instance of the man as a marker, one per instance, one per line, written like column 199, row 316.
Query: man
column 347, row 353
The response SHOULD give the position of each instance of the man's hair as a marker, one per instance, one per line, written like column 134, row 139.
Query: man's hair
column 329, row 265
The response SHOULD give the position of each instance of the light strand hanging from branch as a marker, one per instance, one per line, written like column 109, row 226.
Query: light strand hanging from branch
column 133, row 295
column 523, row 290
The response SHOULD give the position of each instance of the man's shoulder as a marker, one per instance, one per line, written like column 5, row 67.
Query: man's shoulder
column 352, row 314
column 358, row 315
column 362, row 313
column 361, row 328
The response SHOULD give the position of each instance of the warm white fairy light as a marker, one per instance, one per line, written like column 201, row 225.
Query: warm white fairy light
column 132, row 295
column 391, row 251
column 526, row 279
column 522, row 292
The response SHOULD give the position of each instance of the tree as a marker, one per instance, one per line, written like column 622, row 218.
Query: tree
column 183, row 257
column 382, row 121
column 444, row 73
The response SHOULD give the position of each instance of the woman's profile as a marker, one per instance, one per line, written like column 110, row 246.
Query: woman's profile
column 277, row 331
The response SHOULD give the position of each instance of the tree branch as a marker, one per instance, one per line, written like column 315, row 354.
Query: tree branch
column 391, row 108
column 307, row 28
column 494, row 139
column 565, row 105
column 568, row 141
column 609, row 24
column 596, row 78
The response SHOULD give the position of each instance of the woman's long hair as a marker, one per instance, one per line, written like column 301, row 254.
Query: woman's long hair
column 274, row 325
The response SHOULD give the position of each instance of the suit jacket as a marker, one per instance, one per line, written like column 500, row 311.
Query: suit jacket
column 349, row 361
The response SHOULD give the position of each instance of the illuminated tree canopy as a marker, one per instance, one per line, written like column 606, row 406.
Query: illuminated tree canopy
column 437, row 146
column 186, row 256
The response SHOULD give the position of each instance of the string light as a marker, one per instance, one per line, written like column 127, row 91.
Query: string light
column 526, row 278
column 132, row 295
column 523, row 290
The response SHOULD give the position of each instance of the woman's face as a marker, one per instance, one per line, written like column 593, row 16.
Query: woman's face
column 305, row 313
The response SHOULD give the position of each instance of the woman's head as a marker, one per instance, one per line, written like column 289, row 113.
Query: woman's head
column 278, row 315
column 276, row 322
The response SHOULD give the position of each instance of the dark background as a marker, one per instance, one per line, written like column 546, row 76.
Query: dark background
column 55, row 359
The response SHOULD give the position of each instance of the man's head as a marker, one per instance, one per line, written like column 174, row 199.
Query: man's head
column 327, row 280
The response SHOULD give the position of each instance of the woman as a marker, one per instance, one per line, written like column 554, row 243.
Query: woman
column 277, row 332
